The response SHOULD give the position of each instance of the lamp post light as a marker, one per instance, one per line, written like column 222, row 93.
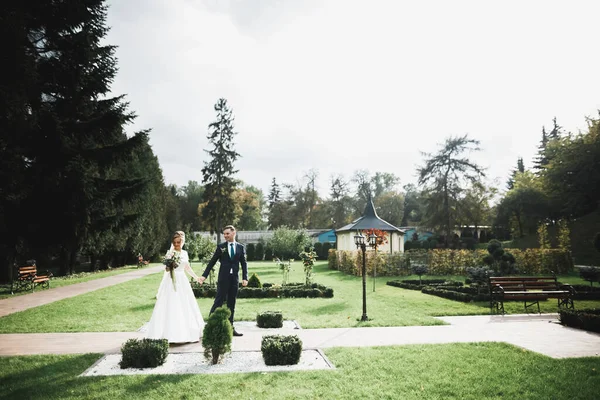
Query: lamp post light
column 359, row 241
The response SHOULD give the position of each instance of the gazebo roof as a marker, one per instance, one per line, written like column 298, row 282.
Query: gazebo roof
column 370, row 220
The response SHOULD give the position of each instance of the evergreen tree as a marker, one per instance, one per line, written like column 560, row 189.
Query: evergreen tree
column 572, row 178
column 276, row 207
column 218, row 172
column 190, row 198
column 520, row 169
column 540, row 160
column 77, row 150
column 545, row 154
column 19, row 93
column 274, row 194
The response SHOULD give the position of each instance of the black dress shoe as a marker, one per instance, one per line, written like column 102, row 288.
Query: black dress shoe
column 236, row 333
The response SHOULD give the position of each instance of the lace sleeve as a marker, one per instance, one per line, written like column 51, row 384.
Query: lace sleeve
column 188, row 267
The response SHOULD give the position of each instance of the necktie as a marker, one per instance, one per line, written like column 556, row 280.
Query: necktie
column 231, row 252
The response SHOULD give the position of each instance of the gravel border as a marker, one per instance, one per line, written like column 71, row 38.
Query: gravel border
column 195, row 363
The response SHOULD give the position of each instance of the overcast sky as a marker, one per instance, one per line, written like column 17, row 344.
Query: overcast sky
column 341, row 85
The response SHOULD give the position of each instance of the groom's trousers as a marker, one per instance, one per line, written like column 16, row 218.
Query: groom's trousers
column 227, row 290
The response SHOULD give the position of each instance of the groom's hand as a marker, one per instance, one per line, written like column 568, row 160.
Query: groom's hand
column 201, row 280
column 244, row 283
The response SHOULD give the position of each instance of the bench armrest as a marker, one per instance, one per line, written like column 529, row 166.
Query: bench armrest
column 566, row 286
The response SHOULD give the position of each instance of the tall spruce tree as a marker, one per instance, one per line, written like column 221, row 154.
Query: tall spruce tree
column 277, row 208
column 540, row 159
column 218, row 172
column 545, row 152
column 75, row 149
column 520, row 169
column 19, row 93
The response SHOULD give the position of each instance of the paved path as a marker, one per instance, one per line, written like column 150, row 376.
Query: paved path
column 23, row 302
column 539, row 333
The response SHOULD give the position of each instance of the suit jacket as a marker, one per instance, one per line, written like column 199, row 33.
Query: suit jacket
column 227, row 263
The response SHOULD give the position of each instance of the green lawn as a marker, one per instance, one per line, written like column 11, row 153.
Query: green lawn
column 449, row 371
column 70, row 280
column 127, row 306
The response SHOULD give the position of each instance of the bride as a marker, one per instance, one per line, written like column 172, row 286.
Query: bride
column 176, row 316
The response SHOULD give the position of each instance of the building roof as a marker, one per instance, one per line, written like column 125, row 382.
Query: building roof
column 370, row 220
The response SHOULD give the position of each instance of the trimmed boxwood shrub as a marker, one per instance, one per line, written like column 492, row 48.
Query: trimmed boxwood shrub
column 453, row 291
column 254, row 281
column 413, row 284
column 587, row 319
column 268, row 290
column 144, row 353
column 431, row 282
column 455, row 295
column 584, row 292
column 281, row 350
column 269, row 319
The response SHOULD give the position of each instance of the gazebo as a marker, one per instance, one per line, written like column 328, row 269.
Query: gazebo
column 370, row 220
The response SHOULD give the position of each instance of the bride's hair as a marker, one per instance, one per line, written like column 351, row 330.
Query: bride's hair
column 178, row 234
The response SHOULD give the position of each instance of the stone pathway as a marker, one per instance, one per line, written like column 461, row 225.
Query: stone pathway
column 41, row 297
column 538, row 333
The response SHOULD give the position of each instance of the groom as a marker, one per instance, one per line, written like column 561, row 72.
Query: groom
column 230, row 254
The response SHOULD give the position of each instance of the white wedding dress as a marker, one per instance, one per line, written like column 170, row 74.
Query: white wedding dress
column 176, row 316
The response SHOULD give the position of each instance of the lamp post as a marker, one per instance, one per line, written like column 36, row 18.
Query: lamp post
column 359, row 241
column 373, row 244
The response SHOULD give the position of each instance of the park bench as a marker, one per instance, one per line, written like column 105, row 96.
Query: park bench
column 26, row 277
column 530, row 290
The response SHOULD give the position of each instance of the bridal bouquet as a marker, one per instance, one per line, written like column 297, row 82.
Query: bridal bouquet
column 171, row 261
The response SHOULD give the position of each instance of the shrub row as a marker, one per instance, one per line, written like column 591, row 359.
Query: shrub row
column 293, row 290
column 585, row 292
column 447, row 261
column 587, row 319
column 413, row 284
column 452, row 290
column 454, row 295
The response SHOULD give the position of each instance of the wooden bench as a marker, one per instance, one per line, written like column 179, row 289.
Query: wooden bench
column 26, row 277
column 530, row 290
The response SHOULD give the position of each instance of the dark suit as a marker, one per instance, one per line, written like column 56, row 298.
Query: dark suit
column 229, row 275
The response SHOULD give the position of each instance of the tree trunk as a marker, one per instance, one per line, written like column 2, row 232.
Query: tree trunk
column 219, row 229
column 518, row 217
column 447, row 211
column 72, row 262
column 94, row 263
column 103, row 262
column 64, row 261
column 215, row 356
column 6, row 266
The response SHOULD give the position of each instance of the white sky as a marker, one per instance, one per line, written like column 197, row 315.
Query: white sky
column 341, row 85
